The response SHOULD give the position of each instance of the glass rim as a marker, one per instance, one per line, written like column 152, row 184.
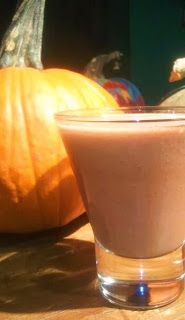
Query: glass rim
column 175, row 113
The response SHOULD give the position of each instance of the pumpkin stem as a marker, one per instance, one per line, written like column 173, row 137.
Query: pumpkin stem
column 22, row 43
column 95, row 67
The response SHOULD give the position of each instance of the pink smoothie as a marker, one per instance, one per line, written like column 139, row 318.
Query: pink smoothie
column 132, row 179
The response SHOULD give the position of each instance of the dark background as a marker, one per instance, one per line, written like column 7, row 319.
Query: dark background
column 77, row 30
column 157, row 38
column 151, row 35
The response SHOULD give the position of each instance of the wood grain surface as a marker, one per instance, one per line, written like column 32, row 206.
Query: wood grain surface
column 52, row 276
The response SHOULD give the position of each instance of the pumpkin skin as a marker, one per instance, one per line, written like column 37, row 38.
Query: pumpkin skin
column 38, row 189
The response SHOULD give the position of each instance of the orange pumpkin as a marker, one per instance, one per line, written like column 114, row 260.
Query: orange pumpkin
column 38, row 189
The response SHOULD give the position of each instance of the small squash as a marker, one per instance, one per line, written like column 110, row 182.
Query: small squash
column 124, row 91
column 38, row 189
column 176, row 97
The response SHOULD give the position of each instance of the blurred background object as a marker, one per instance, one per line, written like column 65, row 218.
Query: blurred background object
column 176, row 97
column 106, row 69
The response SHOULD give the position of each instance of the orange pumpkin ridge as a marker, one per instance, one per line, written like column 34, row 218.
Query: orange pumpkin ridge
column 38, row 189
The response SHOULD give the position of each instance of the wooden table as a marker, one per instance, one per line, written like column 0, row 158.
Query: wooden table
column 52, row 276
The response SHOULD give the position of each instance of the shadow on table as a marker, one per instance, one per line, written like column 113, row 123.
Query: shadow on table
column 49, row 273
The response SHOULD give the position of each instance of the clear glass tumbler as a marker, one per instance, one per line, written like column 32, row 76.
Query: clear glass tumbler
column 130, row 166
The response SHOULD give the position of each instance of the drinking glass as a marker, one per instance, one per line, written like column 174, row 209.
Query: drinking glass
column 130, row 167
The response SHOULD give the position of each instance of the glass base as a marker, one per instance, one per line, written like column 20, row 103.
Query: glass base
column 140, row 283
